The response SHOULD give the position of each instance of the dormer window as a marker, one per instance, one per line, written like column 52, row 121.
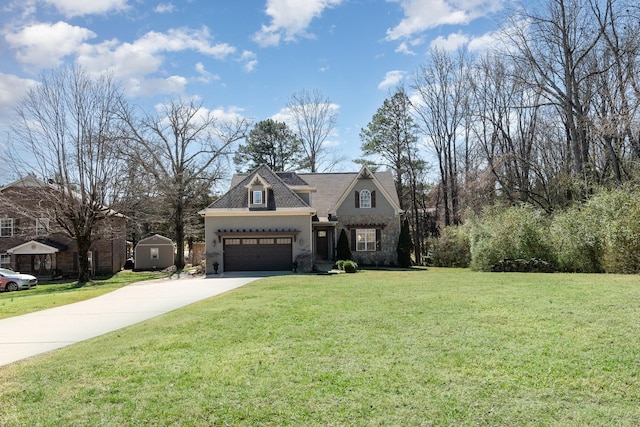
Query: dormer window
column 257, row 198
column 258, row 189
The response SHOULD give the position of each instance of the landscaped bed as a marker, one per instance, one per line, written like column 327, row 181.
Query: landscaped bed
column 423, row 347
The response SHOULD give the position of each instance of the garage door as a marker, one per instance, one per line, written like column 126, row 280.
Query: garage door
column 268, row 254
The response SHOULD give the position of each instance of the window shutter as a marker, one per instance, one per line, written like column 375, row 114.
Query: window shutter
column 353, row 239
column 373, row 199
column 357, row 199
column 264, row 197
column 250, row 197
column 378, row 239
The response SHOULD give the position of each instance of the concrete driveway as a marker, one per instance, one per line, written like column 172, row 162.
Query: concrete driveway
column 42, row 331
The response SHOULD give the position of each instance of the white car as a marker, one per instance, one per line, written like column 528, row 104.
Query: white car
column 13, row 281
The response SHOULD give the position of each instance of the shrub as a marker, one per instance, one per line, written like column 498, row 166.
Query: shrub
column 618, row 217
column 347, row 266
column 342, row 248
column 405, row 245
column 578, row 240
column 516, row 232
column 451, row 249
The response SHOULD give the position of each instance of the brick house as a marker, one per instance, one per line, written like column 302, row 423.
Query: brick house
column 268, row 220
column 31, row 241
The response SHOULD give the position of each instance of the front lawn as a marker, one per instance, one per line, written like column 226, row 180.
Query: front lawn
column 48, row 295
column 436, row 347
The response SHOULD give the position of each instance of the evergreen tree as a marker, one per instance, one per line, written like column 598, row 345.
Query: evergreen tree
column 405, row 245
column 271, row 143
column 344, row 253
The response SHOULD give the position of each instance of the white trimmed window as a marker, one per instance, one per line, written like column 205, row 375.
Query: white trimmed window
column 257, row 197
column 155, row 253
column 6, row 227
column 5, row 261
column 42, row 226
column 366, row 239
column 365, row 199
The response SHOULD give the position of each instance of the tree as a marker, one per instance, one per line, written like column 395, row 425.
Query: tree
column 405, row 245
column 442, row 106
column 342, row 248
column 67, row 127
column 391, row 138
column 314, row 120
column 182, row 148
column 272, row 143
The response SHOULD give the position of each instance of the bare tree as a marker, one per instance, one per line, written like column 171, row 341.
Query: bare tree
column 442, row 107
column 314, row 120
column 67, row 129
column 182, row 147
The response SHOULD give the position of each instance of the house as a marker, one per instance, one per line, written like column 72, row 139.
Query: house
column 155, row 252
column 269, row 220
column 32, row 242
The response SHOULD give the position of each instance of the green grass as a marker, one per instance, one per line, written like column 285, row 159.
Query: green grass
column 48, row 295
column 436, row 347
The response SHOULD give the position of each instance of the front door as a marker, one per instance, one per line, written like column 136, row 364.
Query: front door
column 322, row 244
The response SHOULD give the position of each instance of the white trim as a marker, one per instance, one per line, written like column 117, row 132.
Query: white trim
column 32, row 247
column 378, row 185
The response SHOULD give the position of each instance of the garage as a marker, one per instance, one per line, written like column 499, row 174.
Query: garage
column 257, row 254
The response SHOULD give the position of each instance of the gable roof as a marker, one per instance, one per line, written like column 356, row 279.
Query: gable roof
column 283, row 197
column 330, row 190
column 333, row 188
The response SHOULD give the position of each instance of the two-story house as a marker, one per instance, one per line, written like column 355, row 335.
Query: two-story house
column 32, row 242
column 269, row 220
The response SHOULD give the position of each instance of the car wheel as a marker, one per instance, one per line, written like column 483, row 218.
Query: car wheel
column 11, row 286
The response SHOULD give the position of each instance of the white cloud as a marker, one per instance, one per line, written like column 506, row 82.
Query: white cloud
column 205, row 76
column 421, row 16
column 290, row 19
column 250, row 60
column 165, row 8
column 71, row 8
column 392, row 78
column 45, row 45
column 450, row 43
column 133, row 62
column 12, row 89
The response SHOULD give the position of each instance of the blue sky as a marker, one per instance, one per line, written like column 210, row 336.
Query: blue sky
column 240, row 57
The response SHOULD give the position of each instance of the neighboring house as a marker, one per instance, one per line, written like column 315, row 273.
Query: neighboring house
column 154, row 253
column 31, row 241
column 269, row 220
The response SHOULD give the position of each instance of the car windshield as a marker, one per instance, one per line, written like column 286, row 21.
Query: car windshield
column 6, row 271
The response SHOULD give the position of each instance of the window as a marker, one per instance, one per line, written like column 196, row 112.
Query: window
column 365, row 199
column 366, row 239
column 257, row 198
column 42, row 226
column 155, row 253
column 6, row 227
column 5, row 261
column 283, row 241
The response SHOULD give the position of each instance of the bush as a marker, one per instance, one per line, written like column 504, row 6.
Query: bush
column 578, row 240
column 617, row 215
column 451, row 249
column 405, row 245
column 342, row 248
column 347, row 266
column 516, row 232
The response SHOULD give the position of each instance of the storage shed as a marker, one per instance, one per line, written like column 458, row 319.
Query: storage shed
column 154, row 253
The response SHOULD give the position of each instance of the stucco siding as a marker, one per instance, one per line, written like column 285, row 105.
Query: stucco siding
column 258, row 226
column 348, row 206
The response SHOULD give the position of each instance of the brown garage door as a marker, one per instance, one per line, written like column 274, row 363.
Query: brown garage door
column 268, row 254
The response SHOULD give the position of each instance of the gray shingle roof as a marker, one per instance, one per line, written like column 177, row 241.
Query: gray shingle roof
column 280, row 195
column 329, row 188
